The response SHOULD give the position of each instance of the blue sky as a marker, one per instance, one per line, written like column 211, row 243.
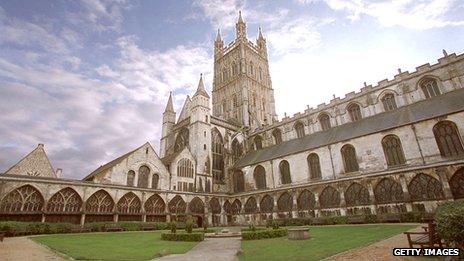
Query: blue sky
column 90, row 78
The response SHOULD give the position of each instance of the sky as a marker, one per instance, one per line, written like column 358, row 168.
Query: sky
column 90, row 78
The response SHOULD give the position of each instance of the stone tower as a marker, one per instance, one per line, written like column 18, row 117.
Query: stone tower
column 242, row 87
column 169, row 119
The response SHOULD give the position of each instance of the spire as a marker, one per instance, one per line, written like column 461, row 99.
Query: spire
column 218, row 36
column 240, row 27
column 260, row 34
column 240, row 20
column 201, row 88
column 169, row 106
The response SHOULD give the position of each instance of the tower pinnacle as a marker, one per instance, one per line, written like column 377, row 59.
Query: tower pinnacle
column 201, row 88
column 240, row 27
column 169, row 106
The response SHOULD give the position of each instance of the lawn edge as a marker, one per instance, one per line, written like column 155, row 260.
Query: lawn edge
column 56, row 252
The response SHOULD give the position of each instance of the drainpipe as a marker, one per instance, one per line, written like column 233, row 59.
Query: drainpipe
column 331, row 161
column 272, row 174
column 417, row 141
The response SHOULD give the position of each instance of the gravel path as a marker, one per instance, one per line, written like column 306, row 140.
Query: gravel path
column 23, row 248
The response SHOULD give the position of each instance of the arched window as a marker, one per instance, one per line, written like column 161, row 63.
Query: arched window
column 130, row 178
column 314, row 166
column 215, row 206
column 329, row 198
column 155, row 181
column 227, row 207
column 182, row 140
column 23, row 199
column 349, row 158
column 236, row 150
column 234, row 68
column 196, row 206
column 324, row 120
column 260, row 177
column 239, row 181
column 285, row 176
column 260, row 74
column 267, row 204
column 251, row 68
column 99, row 202
column 129, row 204
column 144, row 171
column 299, row 129
column 285, row 202
column 250, row 206
column 306, row 200
column 448, row 139
column 393, row 150
column 155, row 205
column 457, row 184
column 354, row 111
column 277, row 136
column 177, row 205
column 424, row 187
column 356, row 195
column 236, row 207
column 430, row 87
column 388, row 191
column 185, row 168
column 388, row 101
column 65, row 201
column 217, row 149
column 258, row 142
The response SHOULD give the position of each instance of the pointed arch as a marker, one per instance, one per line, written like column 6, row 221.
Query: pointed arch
column 25, row 199
column 236, row 207
column 196, row 206
column 259, row 175
column 144, row 172
column 267, row 204
column 277, row 134
column 215, row 206
column 155, row 205
column 239, row 181
column 306, row 200
column 329, row 198
column 356, row 195
column 448, row 139
column 285, row 176
column 155, row 181
column 177, row 205
column 258, row 141
column 227, row 207
column 354, row 110
column 424, row 187
column 324, row 120
column 299, row 129
column 99, row 202
column 250, row 206
column 429, row 87
column 388, row 191
column 285, row 202
column 237, row 150
column 182, row 140
column 185, row 168
column 350, row 160
column 457, row 184
column 314, row 166
column 129, row 204
column 393, row 150
column 217, row 150
column 388, row 101
column 66, row 200
column 130, row 178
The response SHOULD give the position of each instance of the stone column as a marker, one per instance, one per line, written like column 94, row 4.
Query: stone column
column 144, row 214
column 343, row 209
column 316, row 205
column 43, row 218
column 258, row 211
column 407, row 198
column 373, row 206
column 445, row 183
column 294, row 205
column 82, row 220
column 274, row 213
column 115, row 217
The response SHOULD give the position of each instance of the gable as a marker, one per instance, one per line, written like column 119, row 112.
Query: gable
column 184, row 113
column 35, row 163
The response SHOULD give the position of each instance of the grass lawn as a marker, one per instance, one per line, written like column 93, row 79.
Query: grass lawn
column 113, row 246
column 325, row 241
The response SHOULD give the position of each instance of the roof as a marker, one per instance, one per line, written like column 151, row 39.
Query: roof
column 168, row 159
column 36, row 158
column 427, row 109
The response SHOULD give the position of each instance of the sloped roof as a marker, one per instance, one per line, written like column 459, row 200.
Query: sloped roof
column 427, row 109
column 35, row 163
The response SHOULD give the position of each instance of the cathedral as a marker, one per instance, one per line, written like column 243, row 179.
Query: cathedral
column 225, row 158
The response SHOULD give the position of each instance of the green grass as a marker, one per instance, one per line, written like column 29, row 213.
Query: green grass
column 325, row 241
column 113, row 246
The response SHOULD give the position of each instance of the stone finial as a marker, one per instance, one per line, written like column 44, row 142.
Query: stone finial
column 218, row 36
column 445, row 54
column 40, row 145
column 399, row 70
column 58, row 172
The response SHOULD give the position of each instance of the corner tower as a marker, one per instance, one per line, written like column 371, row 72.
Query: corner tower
column 242, row 87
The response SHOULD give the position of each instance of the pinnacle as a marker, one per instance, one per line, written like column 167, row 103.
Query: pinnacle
column 240, row 20
column 218, row 36
column 201, row 88
column 169, row 106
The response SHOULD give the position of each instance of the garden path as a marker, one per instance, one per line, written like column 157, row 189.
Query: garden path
column 23, row 248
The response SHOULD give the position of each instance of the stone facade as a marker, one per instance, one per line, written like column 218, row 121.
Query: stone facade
column 390, row 148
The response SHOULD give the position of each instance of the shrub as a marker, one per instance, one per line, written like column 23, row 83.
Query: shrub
column 14, row 228
column 260, row 234
column 190, row 237
column 370, row 218
column 450, row 225
column 248, row 229
column 173, row 227
column 205, row 225
column 189, row 225
column 275, row 224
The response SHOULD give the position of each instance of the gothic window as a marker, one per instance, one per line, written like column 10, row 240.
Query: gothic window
column 130, row 178
column 177, row 205
column 224, row 107
column 356, row 195
column 234, row 68
column 23, row 199
column 448, row 139
column 185, row 168
column 239, row 181
column 217, row 149
column 349, row 158
column 65, row 201
column 215, row 206
column 306, row 200
column 277, row 136
column 207, row 186
column 258, row 142
column 329, row 198
column 182, row 140
column 144, row 171
column 424, row 187
column 236, row 207
column 314, row 166
column 388, row 191
column 299, row 128
column 393, row 150
column 388, row 101
column 324, row 120
column 129, row 204
column 236, row 150
column 430, row 87
column 285, row 202
column 251, row 68
column 267, row 204
column 260, row 177
column 457, row 184
column 196, row 206
column 155, row 205
column 284, row 168
column 355, row 112
column 250, row 206
column 99, row 202
column 155, row 181
column 227, row 207
column 260, row 74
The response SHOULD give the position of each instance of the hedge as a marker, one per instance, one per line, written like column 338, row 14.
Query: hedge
column 450, row 225
column 14, row 228
column 190, row 237
column 247, row 229
column 267, row 233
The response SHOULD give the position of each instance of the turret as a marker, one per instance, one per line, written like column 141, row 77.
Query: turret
column 240, row 27
column 218, row 43
column 261, row 42
column 169, row 119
